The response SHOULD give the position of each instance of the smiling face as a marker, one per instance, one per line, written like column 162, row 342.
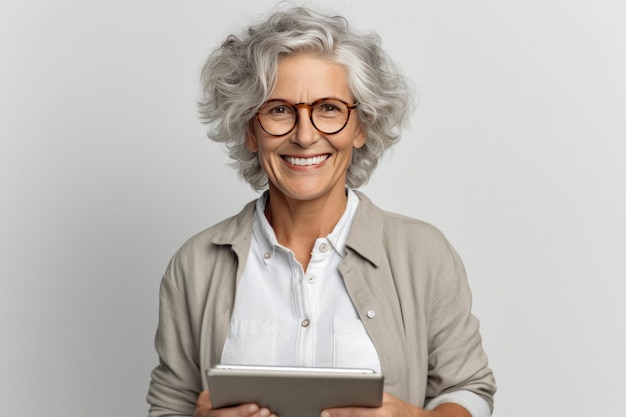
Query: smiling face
column 306, row 164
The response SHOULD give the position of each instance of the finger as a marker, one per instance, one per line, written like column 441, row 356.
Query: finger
column 260, row 411
column 204, row 399
column 349, row 412
column 243, row 410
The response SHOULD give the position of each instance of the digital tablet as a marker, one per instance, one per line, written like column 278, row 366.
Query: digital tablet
column 293, row 391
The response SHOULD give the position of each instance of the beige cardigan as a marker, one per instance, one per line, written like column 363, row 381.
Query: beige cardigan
column 402, row 269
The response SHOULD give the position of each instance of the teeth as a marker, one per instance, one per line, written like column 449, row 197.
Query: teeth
column 306, row 161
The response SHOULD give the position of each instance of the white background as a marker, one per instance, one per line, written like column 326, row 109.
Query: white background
column 516, row 151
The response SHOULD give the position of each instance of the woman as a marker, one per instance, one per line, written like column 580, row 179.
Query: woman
column 312, row 273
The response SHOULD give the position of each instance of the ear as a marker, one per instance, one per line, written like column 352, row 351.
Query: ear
column 359, row 138
column 251, row 140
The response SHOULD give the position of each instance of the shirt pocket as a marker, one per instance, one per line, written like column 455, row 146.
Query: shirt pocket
column 251, row 342
column 352, row 347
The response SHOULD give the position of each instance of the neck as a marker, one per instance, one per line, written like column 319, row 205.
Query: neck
column 298, row 223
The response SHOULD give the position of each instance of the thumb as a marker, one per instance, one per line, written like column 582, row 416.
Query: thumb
column 204, row 400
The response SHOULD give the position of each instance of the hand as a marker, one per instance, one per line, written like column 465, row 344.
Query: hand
column 394, row 407
column 205, row 409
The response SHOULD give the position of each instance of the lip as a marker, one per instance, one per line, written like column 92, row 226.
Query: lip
column 305, row 161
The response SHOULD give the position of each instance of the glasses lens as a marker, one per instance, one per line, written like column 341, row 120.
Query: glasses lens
column 330, row 115
column 277, row 117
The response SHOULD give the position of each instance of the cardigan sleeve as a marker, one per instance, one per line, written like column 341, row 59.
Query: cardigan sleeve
column 176, row 381
column 456, row 359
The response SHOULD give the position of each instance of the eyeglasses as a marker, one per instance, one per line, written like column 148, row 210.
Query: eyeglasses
column 328, row 115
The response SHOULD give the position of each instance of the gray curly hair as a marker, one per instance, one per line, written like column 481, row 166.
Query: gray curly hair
column 239, row 76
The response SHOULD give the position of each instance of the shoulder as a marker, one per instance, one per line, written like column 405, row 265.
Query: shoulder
column 397, row 225
column 422, row 259
column 400, row 231
column 411, row 247
column 213, row 247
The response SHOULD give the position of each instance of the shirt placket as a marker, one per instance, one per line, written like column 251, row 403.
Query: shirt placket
column 304, row 322
column 309, row 288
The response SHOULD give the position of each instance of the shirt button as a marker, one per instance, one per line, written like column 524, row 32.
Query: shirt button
column 371, row 314
column 324, row 247
column 267, row 255
column 305, row 323
column 311, row 279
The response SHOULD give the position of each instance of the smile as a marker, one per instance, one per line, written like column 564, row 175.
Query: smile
column 306, row 161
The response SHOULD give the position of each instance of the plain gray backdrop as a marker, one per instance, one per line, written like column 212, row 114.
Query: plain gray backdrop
column 516, row 152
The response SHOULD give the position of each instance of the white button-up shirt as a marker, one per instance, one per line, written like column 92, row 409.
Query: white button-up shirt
column 284, row 315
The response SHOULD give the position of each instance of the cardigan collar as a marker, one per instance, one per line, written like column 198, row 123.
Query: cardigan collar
column 366, row 233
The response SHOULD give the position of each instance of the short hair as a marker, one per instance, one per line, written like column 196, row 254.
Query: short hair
column 239, row 76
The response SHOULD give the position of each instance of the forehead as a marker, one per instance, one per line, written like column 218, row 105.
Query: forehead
column 306, row 78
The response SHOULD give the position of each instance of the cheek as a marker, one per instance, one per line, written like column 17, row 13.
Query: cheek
column 267, row 155
column 349, row 144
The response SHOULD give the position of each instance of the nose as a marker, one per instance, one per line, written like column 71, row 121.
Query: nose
column 305, row 134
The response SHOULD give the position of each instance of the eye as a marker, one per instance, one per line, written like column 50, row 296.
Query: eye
column 328, row 107
column 278, row 109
